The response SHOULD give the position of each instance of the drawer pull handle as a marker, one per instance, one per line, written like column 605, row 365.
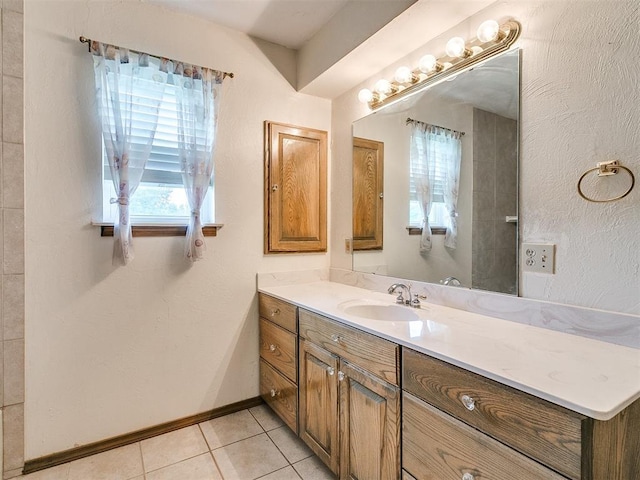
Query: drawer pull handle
column 340, row 376
column 336, row 338
column 275, row 311
column 467, row 476
column 272, row 347
column 470, row 404
column 331, row 370
column 274, row 393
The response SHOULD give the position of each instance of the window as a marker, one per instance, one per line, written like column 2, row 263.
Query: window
column 438, row 216
column 160, row 198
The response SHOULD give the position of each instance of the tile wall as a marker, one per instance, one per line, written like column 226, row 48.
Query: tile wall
column 495, row 196
column 12, row 237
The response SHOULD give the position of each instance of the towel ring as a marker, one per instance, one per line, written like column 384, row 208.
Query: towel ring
column 605, row 169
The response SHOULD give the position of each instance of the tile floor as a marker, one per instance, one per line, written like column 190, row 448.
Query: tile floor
column 246, row 445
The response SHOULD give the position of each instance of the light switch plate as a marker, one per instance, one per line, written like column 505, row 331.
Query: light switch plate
column 539, row 257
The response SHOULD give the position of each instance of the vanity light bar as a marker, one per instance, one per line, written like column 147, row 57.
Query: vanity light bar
column 491, row 39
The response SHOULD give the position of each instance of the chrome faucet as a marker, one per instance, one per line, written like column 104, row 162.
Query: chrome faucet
column 453, row 281
column 400, row 300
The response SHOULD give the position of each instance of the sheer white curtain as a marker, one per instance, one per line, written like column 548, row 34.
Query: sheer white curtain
column 129, row 87
column 451, row 156
column 198, row 98
column 422, row 155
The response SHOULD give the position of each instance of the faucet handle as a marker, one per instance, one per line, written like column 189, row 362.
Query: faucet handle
column 400, row 299
column 415, row 303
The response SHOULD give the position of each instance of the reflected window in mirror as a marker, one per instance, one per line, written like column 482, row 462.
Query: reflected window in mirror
column 435, row 159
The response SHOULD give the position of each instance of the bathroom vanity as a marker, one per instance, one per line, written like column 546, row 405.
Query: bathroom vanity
column 442, row 393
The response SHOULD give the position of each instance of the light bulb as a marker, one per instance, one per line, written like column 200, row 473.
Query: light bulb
column 403, row 75
column 383, row 86
column 488, row 31
column 428, row 64
column 456, row 47
column 476, row 49
column 365, row 95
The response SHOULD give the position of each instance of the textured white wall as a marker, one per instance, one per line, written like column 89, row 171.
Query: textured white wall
column 579, row 106
column 112, row 350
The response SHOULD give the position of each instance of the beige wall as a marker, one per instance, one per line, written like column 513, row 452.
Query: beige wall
column 579, row 106
column 111, row 350
column 12, row 239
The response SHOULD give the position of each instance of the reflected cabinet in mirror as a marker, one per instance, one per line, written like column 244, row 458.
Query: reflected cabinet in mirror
column 450, row 182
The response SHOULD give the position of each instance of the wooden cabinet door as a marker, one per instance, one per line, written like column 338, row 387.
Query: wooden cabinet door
column 318, row 403
column 369, row 426
column 295, row 189
column 368, row 194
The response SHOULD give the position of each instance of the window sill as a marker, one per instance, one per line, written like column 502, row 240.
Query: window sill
column 434, row 230
column 160, row 230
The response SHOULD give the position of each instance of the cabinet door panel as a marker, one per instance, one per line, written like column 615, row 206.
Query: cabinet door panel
column 368, row 201
column 319, row 402
column 369, row 426
column 295, row 189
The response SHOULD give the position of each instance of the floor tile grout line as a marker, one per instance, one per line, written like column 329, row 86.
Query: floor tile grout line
column 271, row 473
column 215, row 463
column 144, row 470
column 179, row 461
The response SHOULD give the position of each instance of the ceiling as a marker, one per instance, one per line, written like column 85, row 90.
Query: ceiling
column 286, row 22
column 335, row 44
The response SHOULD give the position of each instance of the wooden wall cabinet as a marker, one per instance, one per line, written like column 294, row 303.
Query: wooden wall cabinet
column 368, row 194
column 295, row 196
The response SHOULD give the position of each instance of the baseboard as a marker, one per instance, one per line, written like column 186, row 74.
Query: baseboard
column 128, row 438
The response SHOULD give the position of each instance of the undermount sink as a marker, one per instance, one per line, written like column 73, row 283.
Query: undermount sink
column 376, row 311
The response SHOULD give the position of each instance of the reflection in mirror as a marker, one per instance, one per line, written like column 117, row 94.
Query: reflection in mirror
column 451, row 150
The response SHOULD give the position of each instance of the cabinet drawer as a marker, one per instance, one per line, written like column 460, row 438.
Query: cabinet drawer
column 280, row 394
column 543, row 431
column 278, row 311
column 436, row 446
column 374, row 354
column 278, row 347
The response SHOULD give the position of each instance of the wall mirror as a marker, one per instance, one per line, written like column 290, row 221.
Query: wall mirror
column 482, row 105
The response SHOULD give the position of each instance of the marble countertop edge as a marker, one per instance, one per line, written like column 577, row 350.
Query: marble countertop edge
column 591, row 377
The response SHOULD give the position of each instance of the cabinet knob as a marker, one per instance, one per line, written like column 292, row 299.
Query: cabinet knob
column 274, row 392
column 274, row 187
column 469, row 404
column 468, row 476
column 272, row 347
column 331, row 370
column 340, row 376
column 275, row 311
column 336, row 338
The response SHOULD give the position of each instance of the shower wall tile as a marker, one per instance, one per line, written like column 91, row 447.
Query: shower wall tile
column 13, row 307
column 13, row 426
column 13, row 6
column 12, row 175
column 13, row 231
column 12, row 234
column 12, row 43
column 12, row 109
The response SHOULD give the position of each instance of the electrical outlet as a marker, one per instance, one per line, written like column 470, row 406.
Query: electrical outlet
column 538, row 257
column 347, row 245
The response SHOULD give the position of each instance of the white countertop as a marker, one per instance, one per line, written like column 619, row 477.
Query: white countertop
column 594, row 378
